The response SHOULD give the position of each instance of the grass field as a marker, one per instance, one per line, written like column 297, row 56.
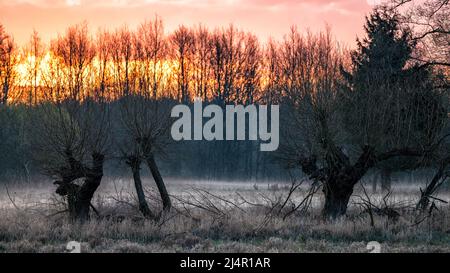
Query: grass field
column 216, row 217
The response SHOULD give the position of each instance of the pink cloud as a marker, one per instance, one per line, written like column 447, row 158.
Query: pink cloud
column 266, row 18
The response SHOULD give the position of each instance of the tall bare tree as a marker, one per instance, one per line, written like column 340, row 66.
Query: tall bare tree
column 431, row 27
column 35, row 53
column 202, row 66
column 103, row 59
column 183, row 41
column 8, row 61
column 121, row 46
column 76, row 51
column 151, row 50
column 144, row 134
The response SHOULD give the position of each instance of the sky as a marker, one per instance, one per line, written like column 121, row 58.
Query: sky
column 265, row 18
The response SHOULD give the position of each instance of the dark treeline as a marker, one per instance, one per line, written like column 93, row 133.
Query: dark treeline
column 204, row 160
column 92, row 104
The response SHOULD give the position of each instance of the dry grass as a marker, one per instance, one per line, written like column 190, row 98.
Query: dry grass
column 213, row 225
column 241, row 231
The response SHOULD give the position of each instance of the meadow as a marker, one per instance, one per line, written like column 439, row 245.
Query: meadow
column 220, row 217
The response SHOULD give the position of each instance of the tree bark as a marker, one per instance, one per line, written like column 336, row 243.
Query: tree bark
column 167, row 204
column 339, row 176
column 79, row 197
column 337, row 195
column 86, row 192
column 135, row 165
column 435, row 183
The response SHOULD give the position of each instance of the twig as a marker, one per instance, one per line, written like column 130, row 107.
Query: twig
column 11, row 199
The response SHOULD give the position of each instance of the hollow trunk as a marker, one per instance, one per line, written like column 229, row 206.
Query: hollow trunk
column 79, row 197
column 159, row 182
column 79, row 200
column 337, row 195
column 135, row 165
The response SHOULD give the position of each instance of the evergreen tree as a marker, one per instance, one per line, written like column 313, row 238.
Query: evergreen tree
column 383, row 73
column 381, row 56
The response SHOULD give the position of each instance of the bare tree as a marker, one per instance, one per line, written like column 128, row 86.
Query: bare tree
column 103, row 58
column 236, row 66
column 337, row 134
column 183, row 41
column 431, row 26
column 248, row 89
column 35, row 53
column 143, row 135
column 8, row 60
column 70, row 142
column 224, row 62
column 202, row 65
column 121, row 46
column 75, row 50
column 272, row 73
column 151, row 51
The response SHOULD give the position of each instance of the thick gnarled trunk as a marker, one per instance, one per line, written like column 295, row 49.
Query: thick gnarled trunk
column 339, row 176
column 79, row 197
column 337, row 195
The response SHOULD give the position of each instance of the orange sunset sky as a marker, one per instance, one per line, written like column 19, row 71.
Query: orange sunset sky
column 265, row 18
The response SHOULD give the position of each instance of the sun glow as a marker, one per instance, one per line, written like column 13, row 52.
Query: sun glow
column 49, row 72
column 31, row 69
